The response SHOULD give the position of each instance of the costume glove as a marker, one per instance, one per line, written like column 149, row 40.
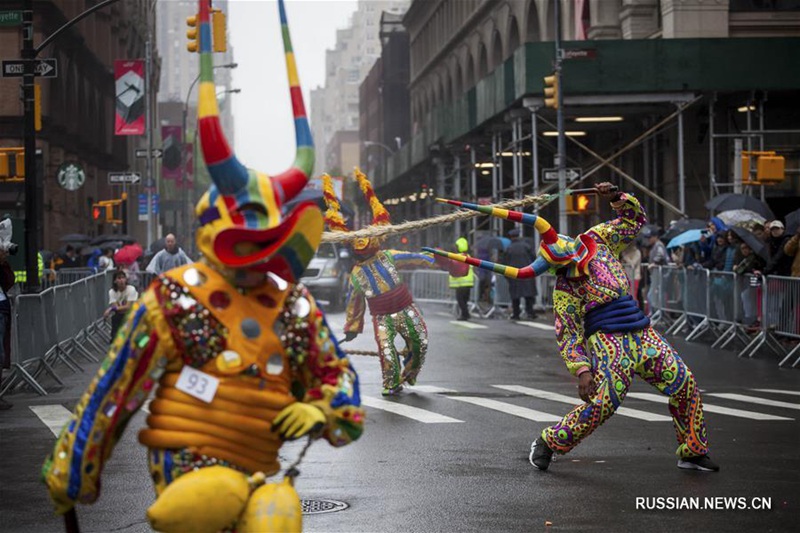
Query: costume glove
column 298, row 420
column 350, row 335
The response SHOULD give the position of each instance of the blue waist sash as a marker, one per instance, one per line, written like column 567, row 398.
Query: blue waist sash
column 620, row 316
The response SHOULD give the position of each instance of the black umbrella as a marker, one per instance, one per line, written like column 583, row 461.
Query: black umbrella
column 793, row 222
column 489, row 243
column 729, row 201
column 750, row 239
column 75, row 237
column 127, row 239
column 89, row 250
column 684, row 224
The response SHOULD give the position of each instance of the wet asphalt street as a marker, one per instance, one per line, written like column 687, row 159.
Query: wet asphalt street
column 457, row 462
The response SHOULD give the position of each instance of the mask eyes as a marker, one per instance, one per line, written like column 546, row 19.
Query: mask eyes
column 253, row 208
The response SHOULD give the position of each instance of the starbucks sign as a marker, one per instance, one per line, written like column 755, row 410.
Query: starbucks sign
column 71, row 176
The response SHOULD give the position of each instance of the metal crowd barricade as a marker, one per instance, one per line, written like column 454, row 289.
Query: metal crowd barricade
column 430, row 286
column 52, row 327
column 695, row 301
column 779, row 301
column 669, row 297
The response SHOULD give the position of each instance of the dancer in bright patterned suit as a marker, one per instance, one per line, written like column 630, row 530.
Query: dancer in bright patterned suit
column 239, row 352
column 603, row 336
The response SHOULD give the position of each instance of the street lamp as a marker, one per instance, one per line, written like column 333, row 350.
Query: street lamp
column 375, row 143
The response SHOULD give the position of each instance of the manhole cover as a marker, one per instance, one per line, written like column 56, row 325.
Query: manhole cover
column 322, row 506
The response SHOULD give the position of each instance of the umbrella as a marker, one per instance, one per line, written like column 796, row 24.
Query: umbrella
column 75, row 237
column 126, row 239
column 684, row 225
column 156, row 246
column 729, row 200
column 793, row 222
column 128, row 254
column 315, row 196
column 489, row 243
column 689, row 236
column 741, row 217
column 750, row 239
column 89, row 250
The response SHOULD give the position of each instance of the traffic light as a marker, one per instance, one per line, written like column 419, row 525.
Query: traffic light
column 97, row 212
column 582, row 204
column 12, row 164
column 37, row 107
column 219, row 31
column 192, row 34
column 551, row 91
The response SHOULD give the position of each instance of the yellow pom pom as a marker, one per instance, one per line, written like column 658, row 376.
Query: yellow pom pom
column 205, row 500
column 275, row 508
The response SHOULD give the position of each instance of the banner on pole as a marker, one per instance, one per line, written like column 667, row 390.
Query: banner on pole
column 130, row 97
column 188, row 161
column 172, row 153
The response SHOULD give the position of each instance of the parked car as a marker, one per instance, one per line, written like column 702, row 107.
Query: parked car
column 326, row 275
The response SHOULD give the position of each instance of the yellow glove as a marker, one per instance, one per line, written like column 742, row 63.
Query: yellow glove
column 298, row 420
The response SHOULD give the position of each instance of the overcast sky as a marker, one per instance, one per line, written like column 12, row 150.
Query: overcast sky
column 262, row 111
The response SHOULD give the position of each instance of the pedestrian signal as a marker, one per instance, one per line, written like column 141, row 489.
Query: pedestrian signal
column 582, row 204
column 96, row 212
column 551, row 91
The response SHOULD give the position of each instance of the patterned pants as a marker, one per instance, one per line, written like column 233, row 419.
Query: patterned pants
column 617, row 357
column 409, row 326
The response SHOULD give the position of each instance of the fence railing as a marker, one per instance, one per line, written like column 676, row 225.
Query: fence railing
column 60, row 325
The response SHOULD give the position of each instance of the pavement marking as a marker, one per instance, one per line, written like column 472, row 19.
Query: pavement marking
column 442, row 313
column 146, row 405
column 555, row 397
column 53, row 416
column 660, row 398
column 432, row 389
column 778, row 391
column 754, row 399
column 536, row 325
column 468, row 325
column 415, row 413
column 508, row 408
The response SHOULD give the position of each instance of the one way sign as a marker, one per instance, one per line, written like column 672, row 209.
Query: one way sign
column 45, row 68
column 124, row 177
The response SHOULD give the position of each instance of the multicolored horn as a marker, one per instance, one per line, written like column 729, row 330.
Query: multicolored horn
column 333, row 215
column 537, row 268
column 549, row 235
column 293, row 180
column 227, row 173
column 380, row 216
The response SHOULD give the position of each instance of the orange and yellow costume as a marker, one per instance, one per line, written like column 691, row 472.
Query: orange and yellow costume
column 240, row 353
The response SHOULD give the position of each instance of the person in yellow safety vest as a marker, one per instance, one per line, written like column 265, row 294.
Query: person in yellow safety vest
column 21, row 276
column 462, row 283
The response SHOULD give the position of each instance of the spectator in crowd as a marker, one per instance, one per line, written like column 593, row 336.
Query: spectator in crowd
column 120, row 298
column 520, row 254
column 749, row 265
column 172, row 256
column 780, row 263
column 656, row 257
column 792, row 249
column 631, row 258
column 760, row 231
column 6, row 282
column 69, row 259
column 106, row 261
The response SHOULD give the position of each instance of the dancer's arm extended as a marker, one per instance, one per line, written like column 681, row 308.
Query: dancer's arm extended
column 568, row 312
column 619, row 232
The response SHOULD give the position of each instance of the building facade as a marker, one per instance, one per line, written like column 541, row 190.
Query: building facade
column 335, row 106
column 664, row 87
column 78, row 110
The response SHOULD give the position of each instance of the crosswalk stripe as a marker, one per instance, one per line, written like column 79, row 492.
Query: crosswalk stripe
column 53, row 416
column 442, row 313
column 754, row 399
column 778, row 391
column 414, row 413
column 536, row 325
column 431, row 389
column 659, row 398
column 555, row 397
column 508, row 408
column 468, row 325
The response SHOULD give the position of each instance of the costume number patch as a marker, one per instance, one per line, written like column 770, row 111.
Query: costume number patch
column 198, row 384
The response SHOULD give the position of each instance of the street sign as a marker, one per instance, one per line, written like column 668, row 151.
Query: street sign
column 142, row 152
column 124, row 177
column 579, row 53
column 143, row 206
column 550, row 175
column 10, row 18
column 45, row 68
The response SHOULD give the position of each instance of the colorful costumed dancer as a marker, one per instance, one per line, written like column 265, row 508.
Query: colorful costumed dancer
column 603, row 336
column 374, row 282
column 241, row 354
